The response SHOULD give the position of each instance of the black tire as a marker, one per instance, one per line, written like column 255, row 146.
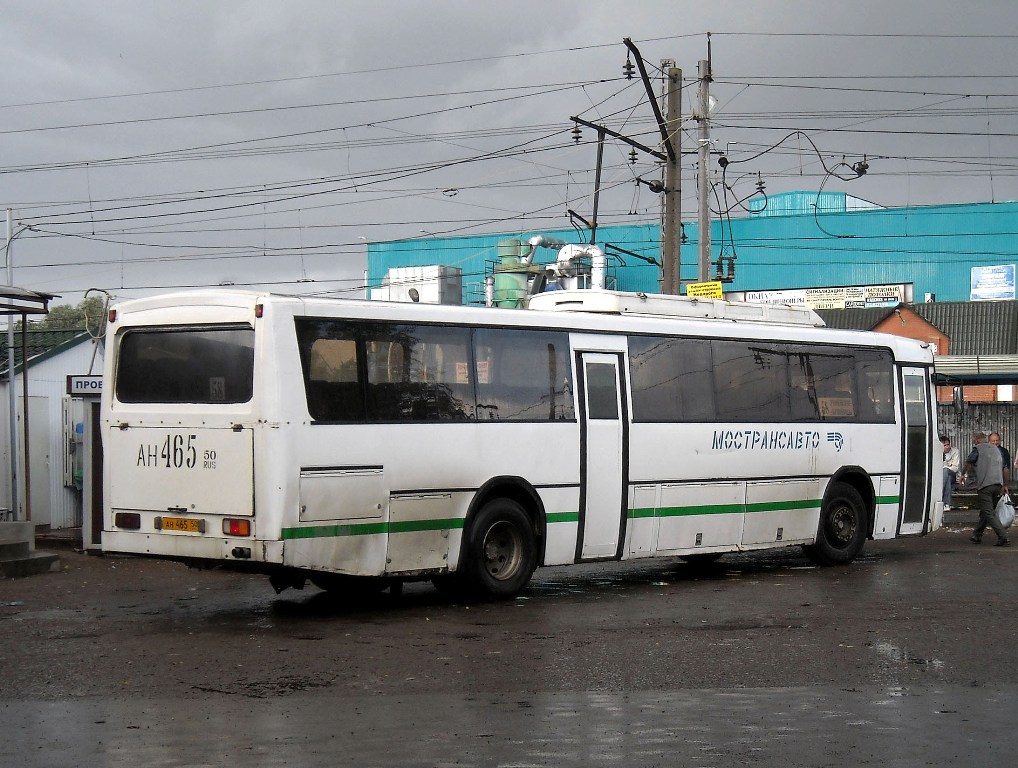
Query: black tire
column 843, row 527
column 499, row 552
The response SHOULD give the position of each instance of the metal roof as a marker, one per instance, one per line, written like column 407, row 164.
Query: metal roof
column 975, row 327
column 42, row 344
column 986, row 369
column 20, row 301
column 983, row 336
column 857, row 319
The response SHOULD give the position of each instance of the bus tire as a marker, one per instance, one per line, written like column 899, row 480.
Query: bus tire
column 842, row 530
column 499, row 551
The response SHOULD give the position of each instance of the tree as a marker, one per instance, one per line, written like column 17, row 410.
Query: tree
column 90, row 313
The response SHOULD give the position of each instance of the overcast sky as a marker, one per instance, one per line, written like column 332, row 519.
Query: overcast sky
column 152, row 145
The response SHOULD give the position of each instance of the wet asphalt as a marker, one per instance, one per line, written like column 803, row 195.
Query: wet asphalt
column 906, row 657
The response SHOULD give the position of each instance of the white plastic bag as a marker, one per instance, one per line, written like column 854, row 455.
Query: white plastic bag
column 1005, row 510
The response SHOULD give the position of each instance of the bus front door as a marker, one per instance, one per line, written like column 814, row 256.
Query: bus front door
column 602, row 457
column 917, row 452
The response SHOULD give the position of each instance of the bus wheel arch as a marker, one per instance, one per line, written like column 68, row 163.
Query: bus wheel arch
column 846, row 520
column 503, row 539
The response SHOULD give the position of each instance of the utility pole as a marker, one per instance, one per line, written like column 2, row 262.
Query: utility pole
column 12, row 398
column 703, row 176
column 671, row 234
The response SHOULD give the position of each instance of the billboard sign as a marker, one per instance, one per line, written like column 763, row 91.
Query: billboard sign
column 839, row 297
column 992, row 283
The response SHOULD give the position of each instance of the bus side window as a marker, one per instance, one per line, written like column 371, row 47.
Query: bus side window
column 419, row 373
column 523, row 375
column 835, row 388
column 672, row 379
column 334, row 391
column 751, row 381
column 874, row 373
column 802, row 389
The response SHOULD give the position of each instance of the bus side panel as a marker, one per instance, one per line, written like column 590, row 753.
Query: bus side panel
column 353, row 494
column 885, row 526
column 419, row 530
column 642, row 531
column 781, row 512
column 705, row 517
column 561, row 508
column 338, row 548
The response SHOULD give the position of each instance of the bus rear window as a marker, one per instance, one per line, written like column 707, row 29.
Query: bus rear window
column 189, row 365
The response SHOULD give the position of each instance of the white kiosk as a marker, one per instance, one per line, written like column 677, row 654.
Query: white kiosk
column 89, row 388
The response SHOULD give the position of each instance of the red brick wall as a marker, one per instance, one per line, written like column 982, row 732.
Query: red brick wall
column 907, row 323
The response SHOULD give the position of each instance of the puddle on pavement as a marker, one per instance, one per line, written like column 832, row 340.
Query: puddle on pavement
column 904, row 657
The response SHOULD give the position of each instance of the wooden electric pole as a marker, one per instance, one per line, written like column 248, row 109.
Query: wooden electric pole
column 703, row 174
column 671, row 226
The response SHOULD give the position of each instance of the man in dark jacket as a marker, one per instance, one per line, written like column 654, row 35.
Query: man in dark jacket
column 988, row 465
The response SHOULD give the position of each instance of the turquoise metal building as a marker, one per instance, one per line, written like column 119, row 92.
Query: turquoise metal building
column 796, row 240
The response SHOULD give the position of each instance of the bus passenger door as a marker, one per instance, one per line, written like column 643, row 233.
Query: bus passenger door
column 602, row 456
column 916, row 451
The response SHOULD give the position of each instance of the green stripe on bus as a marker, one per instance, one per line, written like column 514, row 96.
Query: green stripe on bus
column 774, row 506
column 370, row 529
column 728, row 509
column 723, row 509
column 411, row 526
column 562, row 517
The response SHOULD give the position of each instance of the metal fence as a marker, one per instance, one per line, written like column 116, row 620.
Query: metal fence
column 980, row 417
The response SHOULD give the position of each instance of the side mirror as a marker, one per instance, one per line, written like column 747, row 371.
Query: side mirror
column 958, row 399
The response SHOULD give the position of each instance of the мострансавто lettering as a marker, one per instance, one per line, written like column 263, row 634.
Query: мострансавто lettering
column 766, row 440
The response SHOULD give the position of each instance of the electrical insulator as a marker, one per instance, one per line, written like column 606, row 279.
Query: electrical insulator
column 627, row 68
column 577, row 133
column 632, row 157
column 760, row 184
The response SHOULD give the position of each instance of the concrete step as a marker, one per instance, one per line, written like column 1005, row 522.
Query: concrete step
column 31, row 565
column 18, row 556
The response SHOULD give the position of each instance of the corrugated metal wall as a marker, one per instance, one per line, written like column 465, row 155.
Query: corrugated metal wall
column 980, row 417
column 933, row 247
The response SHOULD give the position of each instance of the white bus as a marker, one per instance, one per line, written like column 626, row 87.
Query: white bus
column 362, row 442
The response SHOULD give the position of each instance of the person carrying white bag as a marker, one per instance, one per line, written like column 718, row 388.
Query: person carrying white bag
column 988, row 464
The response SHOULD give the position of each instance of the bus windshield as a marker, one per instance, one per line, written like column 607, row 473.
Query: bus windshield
column 186, row 365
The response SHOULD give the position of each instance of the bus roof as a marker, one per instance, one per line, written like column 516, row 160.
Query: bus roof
column 610, row 312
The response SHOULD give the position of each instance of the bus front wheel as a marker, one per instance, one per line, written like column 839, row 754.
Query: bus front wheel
column 842, row 530
column 499, row 551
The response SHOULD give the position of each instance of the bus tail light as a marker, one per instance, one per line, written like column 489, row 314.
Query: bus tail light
column 236, row 527
column 259, row 310
column 129, row 520
column 112, row 316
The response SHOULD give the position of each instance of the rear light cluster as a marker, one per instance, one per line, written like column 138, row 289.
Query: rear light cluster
column 129, row 520
column 233, row 527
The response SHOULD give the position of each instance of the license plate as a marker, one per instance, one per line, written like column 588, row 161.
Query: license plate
column 189, row 524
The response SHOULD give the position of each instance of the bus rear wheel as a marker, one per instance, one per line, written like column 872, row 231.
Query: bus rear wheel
column 842, row 530
column 499, row 551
